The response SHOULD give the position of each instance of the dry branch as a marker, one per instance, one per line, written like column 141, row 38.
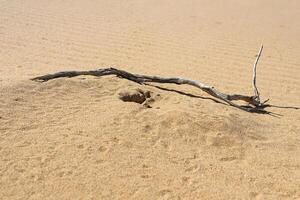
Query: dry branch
column 254, row 104
column 256, row 93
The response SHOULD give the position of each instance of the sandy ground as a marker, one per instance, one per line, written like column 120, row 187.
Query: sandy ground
column 75, row 139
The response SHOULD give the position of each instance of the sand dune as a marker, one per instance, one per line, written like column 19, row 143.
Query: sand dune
column 76, row 139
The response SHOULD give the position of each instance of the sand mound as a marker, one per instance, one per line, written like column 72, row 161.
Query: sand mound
column 77, row 135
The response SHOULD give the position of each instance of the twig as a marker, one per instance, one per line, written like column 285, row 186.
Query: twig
column 144, row 79
column 254, row 101
column 256, row 93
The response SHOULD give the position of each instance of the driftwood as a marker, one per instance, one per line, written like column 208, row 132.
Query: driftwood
column 253, row 102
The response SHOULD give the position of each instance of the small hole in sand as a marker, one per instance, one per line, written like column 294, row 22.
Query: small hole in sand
column 137, row 96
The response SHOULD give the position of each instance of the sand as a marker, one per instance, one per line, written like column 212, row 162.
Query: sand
column 75, row 139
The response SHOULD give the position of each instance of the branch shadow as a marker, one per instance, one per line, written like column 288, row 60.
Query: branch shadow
column 284, row 107
column 186, row 94
column 277, row 106
column 259, row 110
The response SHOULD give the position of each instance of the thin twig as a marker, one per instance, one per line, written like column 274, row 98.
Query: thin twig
column 256, row 93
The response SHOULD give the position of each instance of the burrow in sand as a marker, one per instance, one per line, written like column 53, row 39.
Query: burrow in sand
column 137, row 96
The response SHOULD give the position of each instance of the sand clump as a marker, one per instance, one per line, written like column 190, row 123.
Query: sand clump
column 137, row 96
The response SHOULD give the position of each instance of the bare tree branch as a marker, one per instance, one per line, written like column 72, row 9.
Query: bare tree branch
column 254, row 104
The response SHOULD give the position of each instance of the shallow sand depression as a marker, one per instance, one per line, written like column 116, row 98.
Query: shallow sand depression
column 85, row 138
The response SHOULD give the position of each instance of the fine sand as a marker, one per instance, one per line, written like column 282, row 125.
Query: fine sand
column 75, row 139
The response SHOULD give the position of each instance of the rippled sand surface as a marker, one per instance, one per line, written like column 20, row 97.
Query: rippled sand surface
column 75, row 139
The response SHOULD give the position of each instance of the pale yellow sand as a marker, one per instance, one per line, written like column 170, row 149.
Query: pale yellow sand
column 75, row 139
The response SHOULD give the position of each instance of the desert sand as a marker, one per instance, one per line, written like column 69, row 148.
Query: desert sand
column 73, row 138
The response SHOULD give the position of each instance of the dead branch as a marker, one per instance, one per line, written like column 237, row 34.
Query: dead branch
column 254, row 104
column 256, row 93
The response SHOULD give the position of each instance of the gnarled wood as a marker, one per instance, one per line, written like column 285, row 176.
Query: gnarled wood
column 254, row 104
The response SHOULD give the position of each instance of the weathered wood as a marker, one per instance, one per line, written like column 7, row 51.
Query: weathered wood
column 254, row 103
column 256, row 93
